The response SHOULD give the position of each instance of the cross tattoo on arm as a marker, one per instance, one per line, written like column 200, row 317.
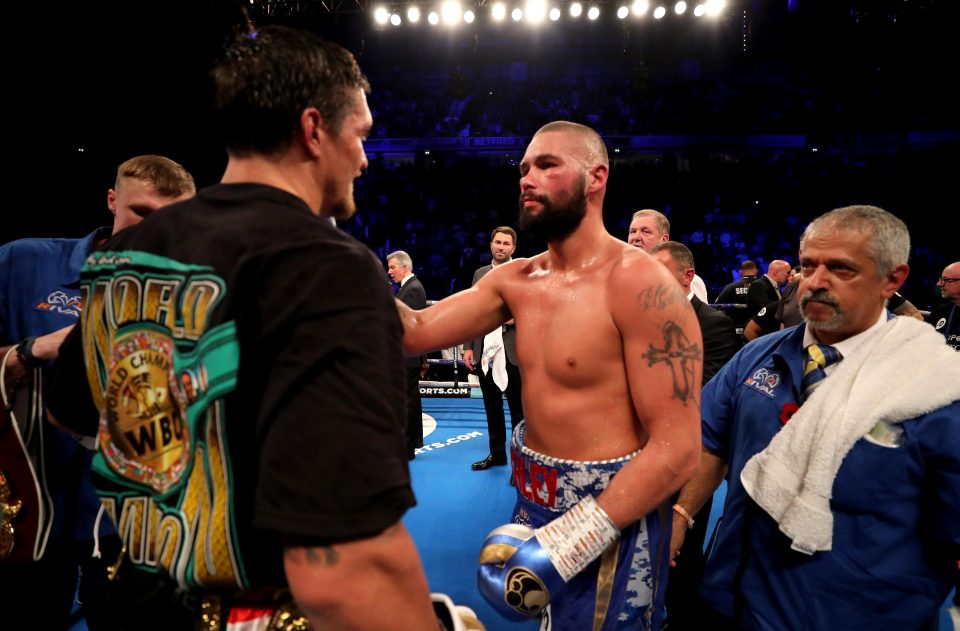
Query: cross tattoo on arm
column 679, row 354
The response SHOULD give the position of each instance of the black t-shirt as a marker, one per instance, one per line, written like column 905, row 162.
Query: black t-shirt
column 246, row 356
column 946, row 320
column 766, row 318
column 736, row 293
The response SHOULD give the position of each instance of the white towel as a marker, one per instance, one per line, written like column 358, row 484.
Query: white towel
column 903, row 371
column 493, row 354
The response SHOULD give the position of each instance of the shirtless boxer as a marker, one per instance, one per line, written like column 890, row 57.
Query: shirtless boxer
column 611, row 357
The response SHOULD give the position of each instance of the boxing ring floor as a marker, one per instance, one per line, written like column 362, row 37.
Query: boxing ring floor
column 457, row 507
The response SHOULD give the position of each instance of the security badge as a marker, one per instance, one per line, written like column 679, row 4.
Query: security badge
column 765, row 381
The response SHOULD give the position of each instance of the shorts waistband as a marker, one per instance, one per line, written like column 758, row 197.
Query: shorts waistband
column 517, row 442
column 557, row 484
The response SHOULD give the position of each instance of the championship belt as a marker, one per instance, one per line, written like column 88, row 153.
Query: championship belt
column 26, row 509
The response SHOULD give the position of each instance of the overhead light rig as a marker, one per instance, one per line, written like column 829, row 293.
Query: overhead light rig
column 453, row 13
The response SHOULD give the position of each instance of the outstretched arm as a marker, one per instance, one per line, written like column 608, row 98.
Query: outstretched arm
column 663, row 352
column 461, row 317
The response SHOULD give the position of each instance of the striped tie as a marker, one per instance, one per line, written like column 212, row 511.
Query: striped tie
column 819, row 356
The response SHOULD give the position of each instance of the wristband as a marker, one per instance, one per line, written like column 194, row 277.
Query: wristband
column 680, row 510
column 577, row 537
column 25, row 353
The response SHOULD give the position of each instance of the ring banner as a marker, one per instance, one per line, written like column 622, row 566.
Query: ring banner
column 445, row 391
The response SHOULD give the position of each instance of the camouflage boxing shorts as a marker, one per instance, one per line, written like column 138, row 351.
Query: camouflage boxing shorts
column 624, row 588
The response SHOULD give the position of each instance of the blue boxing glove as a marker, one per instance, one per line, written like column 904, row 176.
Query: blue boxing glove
column 521, row 569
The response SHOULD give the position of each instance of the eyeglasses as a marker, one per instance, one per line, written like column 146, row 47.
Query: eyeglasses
column 945, row 280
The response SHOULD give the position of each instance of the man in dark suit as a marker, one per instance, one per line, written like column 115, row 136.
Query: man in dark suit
column 412, row 294
column 503, row 243
column 720, row 343
column 766, row 289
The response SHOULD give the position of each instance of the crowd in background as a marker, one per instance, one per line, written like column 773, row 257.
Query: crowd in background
column 856, row 92
column 513, row 99
column 726, row 207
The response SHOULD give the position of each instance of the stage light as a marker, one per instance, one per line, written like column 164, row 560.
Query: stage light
column 623, row 12
column 714, row 7
column 680, row 8
column 499, row 11
column 433, row 18
column 699, row 10
column 640, row 7
column 554, row 14
column 593, row 13
column 413, row 14
column 517, row 15
column 395, row 19
column 381, row 15
column 576, row 9
column 469, row 16
column 536, row 11
column 659, row 12
column 451, row 12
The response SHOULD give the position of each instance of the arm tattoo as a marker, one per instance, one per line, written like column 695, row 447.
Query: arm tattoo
column 679, row 354
column 659, row 297
column 324, row 555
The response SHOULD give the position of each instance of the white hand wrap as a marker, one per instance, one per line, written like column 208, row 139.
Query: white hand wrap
column 577, row 537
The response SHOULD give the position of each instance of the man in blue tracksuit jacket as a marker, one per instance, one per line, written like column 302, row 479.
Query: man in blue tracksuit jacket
column 895, row 498
column 39, row 302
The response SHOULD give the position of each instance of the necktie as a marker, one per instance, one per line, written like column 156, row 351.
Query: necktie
column 818, row 357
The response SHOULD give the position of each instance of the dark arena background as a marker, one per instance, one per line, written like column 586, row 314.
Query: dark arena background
column 739, row 126
column 740, row 120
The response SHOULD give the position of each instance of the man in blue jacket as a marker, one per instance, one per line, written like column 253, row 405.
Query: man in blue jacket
column 47, row 474
column 840, row 443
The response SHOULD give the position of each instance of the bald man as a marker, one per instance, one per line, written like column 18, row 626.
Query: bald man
column 946, row 318
column 766, row 289
column 611, row 357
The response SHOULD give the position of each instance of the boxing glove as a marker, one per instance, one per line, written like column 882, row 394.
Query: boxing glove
column 521, row 569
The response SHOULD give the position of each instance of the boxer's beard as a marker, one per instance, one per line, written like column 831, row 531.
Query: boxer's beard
column 556, row 220
column 834, row 322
